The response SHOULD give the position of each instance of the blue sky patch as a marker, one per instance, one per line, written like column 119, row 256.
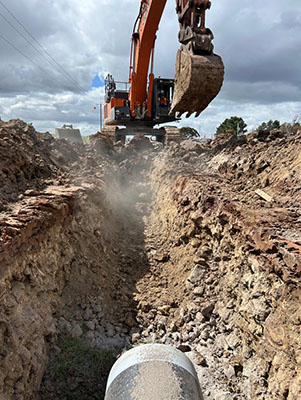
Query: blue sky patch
column 97, row 82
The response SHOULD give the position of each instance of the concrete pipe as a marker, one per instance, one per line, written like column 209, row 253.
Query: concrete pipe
column 153, row 372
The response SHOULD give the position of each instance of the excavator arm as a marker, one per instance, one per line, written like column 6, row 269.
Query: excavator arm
column 199, row 73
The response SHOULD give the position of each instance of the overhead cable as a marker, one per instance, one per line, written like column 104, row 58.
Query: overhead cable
column 57, row 65
column 29, row 59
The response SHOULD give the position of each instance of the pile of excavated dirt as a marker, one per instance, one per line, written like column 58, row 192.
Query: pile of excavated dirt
column 30, row 160
column 104, row 247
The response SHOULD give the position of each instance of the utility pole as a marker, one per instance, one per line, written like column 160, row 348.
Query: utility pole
column 100, row 117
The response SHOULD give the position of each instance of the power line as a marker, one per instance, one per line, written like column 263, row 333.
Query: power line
column 38, row 43
column 29, row 59
column 24, row 37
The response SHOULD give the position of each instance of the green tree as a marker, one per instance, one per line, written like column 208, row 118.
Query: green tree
column 235, row 124
column 268, row 126
column 189, row 132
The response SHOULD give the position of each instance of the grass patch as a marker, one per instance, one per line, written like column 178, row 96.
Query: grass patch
column 80, row 372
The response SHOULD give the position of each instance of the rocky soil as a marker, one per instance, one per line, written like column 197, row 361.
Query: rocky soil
column 105, row 246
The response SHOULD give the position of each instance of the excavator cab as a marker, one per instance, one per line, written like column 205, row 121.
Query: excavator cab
column 117, row 104
column 162, row 98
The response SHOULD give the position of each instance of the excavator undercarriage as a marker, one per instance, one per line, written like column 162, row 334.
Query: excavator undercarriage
column 164, row 135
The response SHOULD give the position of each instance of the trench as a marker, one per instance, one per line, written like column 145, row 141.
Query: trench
column 151, row 250
column 101, row 326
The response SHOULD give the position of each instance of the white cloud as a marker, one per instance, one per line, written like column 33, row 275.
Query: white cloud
column 258, row 42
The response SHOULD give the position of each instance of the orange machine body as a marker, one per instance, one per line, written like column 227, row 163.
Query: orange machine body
column 113, row 103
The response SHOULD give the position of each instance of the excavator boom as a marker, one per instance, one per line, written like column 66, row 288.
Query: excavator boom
column 143, row 42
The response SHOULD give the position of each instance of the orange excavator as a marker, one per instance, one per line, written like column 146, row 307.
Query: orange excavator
column 151, row 101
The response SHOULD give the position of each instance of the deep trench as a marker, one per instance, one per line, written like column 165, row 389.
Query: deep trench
column 128, row 197
column 155, row 252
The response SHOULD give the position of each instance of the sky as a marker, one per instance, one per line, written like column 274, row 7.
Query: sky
column 259, row 42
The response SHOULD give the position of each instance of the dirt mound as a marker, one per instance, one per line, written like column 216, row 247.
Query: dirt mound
column 272, row 163
column 102, row 143
column 29, row 160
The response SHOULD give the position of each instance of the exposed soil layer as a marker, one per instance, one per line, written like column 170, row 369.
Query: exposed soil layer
column 103, row 247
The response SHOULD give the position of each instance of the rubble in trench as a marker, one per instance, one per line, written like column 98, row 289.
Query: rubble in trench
column 108, row 246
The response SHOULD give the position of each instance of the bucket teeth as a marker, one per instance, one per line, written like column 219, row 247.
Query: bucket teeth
column 198, row 80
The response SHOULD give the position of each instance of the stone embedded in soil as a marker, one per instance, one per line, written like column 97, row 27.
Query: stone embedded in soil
column 76, row 330
column 200, row 360
column 90, row 325
column 184, row 348
column 165, row 309
column 130, row 321
column 161, row 257
column 207, row 311
column 195, row 242
column 197, row 274
column 199, row 291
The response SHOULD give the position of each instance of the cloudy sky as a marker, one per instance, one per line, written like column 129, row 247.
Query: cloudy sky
column 259, row 42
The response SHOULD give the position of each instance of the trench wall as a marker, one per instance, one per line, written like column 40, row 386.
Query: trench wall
column 226, row 261
column 56, row 250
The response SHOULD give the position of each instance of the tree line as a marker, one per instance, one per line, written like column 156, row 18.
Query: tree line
column 239, row 127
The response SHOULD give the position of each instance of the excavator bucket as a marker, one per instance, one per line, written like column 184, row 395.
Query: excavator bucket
column 198, row 80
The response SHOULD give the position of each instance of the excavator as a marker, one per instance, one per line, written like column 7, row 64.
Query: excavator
column 151, row 101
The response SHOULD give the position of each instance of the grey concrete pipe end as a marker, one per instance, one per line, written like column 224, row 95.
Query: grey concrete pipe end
column 153, row 372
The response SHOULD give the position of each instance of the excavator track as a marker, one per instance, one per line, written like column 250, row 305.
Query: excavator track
column 198, row 80
column 109, row 130
column 172, row 134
